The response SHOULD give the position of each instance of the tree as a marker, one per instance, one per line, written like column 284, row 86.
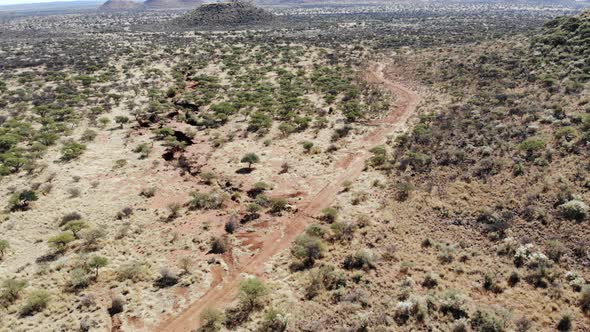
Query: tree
column 4, row 246
column 308, row 248
column 251, row 292
column 121, row 120
column 60, row 241
column 75, row 227
column 250, row 158
column 97, row 262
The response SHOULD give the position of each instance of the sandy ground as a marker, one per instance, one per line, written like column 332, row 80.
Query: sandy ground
column 272, row 243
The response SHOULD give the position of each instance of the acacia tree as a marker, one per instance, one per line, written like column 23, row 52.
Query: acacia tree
column 97, row 262
column 250, row 158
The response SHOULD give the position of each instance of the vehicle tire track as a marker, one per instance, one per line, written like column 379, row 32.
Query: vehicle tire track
column 276, row 241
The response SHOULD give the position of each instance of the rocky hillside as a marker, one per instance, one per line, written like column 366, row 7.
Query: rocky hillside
column 227, row 14
column 172, row 3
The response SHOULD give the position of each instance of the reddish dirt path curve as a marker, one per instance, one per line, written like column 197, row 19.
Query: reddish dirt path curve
column 225, row 292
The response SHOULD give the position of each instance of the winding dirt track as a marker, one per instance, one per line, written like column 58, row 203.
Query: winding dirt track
column 225, row 291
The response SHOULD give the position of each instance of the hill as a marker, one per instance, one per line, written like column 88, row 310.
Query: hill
column 227, row 14
column 172, row 3
column 120, row 5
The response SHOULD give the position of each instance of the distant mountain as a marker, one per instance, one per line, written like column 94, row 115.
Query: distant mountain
column 172, row 3
column 112, row 5
column 227, row 14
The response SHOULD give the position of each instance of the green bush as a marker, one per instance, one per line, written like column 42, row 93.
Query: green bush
column 36, row 302
column 211, row 320
column 21, row 200
column 329, row 215
column 11, row 289
column 60, row 241
column 488, row 322
column 308, row 248
column 278, row 205
column 72, row 150
column 4, row 246
column 252, row 290
column 363, row 259
column 575, row 210
column 207, row 201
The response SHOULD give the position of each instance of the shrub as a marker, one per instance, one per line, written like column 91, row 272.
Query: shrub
column 274, row 321
column 252, row 290
column 134, row 271
column 307, row 146
column 60, row 241
column 522, row 324
column 167, row 278
column 148, row 192
column 565, row 323
column 430, row 281
column 144, row 150
column 11, row 289
column 72, row 150
column 207, row 201
column 74, row 192
column 75, row 226
column 343, row 230
column 329, row 215
column 36, row 302
column 278, row 205
column 404, row 190
column 20, row 201
column 88, row 136
column 230, row 227
column 92, row 237
column 78, row 279
column 575, row 210
column 72, row 216
column 218, row 245
column 532, row 146
column 491, row 284
column 117, row 305
column 363, row 259
column 585, row 298
column 453, row 303
column 4, row 246
column 488, row 322
column 555, row 250
column 211, row 319
column 126, row 212
column 103, row 122
column 173, row 208
column 185, row 264
column 207, row 177
column 308, row 248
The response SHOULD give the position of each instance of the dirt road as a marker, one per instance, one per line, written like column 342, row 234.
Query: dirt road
column 277, row 241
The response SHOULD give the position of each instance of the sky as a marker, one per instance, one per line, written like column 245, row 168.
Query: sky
column 15, row 2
